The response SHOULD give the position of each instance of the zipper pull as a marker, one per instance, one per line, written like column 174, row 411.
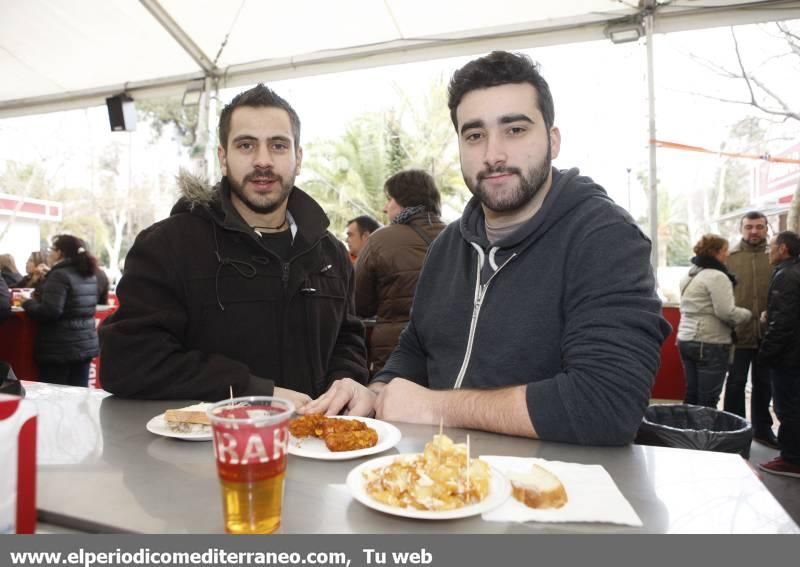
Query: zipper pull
column 479, row 299
column 326, row 268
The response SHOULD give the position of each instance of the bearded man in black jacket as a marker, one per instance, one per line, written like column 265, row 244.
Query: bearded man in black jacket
column 242, row 286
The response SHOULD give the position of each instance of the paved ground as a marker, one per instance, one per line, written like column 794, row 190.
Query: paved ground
column 786, row 490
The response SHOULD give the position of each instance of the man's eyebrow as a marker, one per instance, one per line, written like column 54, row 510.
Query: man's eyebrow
column 286, row 139
column 249, row 137
column 471, row 124
column 509, row 118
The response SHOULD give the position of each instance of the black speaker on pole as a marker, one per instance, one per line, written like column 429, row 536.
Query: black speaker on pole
column 121, row 113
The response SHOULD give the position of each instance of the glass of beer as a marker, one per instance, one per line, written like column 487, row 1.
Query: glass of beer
column 251, row 436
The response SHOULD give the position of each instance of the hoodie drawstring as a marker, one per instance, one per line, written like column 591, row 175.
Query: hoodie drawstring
column 244, row 269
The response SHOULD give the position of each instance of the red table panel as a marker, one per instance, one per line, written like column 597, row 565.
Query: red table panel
column 670, row 381
column 16, row 345
column 17, row 336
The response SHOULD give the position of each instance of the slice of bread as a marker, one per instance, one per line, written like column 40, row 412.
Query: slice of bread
column 190, row 414
column 538, row 488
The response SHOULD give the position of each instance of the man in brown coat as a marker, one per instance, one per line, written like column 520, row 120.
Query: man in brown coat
column 389, row 264
column 749, row 260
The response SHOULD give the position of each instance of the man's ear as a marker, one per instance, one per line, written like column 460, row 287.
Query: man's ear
column 299, row 156
column 223, row 162
column 555, row 142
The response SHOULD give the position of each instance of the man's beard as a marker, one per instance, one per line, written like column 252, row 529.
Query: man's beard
column 269, row 203
column 755, row 241
column 529, row 185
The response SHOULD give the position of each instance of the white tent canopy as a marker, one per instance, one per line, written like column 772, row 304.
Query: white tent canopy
column 61, row 54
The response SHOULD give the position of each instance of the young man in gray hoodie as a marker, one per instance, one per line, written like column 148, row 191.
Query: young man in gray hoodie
column 536, row 313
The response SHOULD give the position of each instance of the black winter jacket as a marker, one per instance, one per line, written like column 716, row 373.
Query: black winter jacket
column 205, row 305
column 570, row 310
column 781, row 345
column 65, row 314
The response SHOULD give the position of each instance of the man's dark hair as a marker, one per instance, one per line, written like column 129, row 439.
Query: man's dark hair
column 414, row 187
column 791, row 240
column 365, row 223
column 753, row 215
column 258, row 96
column 500, row 68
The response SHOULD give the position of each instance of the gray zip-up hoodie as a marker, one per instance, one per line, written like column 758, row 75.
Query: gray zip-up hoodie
column 566, row 304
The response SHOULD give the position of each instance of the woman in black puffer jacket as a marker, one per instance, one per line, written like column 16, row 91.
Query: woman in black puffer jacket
column 66, row 340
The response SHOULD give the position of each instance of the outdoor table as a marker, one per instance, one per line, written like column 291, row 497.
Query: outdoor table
column 100, row 470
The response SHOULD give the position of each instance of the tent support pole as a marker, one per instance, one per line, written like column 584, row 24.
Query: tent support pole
column 653, row 175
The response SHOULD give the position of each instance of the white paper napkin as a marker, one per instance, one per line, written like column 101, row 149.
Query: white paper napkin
column 592, row 495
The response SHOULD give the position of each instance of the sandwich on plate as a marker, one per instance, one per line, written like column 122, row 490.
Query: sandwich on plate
column 191, row 419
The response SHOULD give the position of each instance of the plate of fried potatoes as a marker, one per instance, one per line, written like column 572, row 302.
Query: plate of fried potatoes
column 433, row 485
column 340, row 438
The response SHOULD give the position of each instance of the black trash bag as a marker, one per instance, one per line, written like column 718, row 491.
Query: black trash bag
column 687, row 426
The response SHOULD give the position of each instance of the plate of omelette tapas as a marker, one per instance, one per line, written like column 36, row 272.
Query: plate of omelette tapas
column 441, row 483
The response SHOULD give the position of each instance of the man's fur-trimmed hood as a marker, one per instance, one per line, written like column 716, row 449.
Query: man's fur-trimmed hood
column 195, row 190
column 198, row 196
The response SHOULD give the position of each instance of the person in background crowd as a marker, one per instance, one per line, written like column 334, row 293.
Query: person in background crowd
column 102, row 287
column 708, row 317
column 9, row 271
column 535, row 314
column 388, row 266
column 5, row 300
column 780, row 350
column 36, row 269
column 66, row 340
column 749, row 261
column 358, row 232
column 242, row 287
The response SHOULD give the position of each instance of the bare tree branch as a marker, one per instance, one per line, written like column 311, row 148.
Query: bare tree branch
column 744, row 74
column 788, row 34
column 786, row 109
column 710, row 65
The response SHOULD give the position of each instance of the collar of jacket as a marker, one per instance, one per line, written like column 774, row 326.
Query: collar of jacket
column 61, row 264
column 711, row 263
column 312, row 222
column 422, row 218
column 569, row 190
column 786, row 263
column 744, row 246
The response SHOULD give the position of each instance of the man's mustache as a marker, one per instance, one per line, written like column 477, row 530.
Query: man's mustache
column 499, row 169
column 268, row 175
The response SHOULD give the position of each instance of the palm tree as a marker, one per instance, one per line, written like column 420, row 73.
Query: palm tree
column 347, row 175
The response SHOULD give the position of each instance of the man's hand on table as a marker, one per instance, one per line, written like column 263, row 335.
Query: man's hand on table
column 407, row 401
column 297, row 398
column 345, row 394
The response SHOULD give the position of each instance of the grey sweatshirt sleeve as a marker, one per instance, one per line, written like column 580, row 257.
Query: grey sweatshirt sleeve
column 611, row 343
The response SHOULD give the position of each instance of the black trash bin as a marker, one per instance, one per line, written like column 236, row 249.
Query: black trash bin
column 695, row 427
